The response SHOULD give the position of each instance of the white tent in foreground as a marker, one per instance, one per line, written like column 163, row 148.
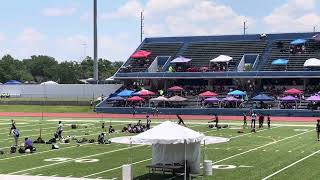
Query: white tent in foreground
column 313, row 62
column 177, row 144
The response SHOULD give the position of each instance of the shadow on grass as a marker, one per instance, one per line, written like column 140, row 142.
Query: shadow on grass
column 154, row 176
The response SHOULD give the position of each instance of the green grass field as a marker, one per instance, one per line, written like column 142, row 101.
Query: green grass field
column 46, row 109
column 286, row 151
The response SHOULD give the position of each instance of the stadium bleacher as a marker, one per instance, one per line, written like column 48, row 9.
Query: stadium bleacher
column 157, row 49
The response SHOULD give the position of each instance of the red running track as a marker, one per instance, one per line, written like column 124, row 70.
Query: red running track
column 142, row 116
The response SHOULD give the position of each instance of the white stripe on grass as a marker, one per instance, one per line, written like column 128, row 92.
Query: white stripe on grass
column 296, row 162
column 119, row 167
column 84, row 157
column 259, row 147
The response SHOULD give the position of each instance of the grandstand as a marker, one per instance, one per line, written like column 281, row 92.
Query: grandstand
column 251, row 68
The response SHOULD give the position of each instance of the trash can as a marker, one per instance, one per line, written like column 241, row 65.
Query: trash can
column 127, row 172
column 207, row 167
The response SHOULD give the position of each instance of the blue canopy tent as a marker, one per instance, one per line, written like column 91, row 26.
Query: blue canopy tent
column 237, row 93
column 298, row 41
column 280, row 62
column 262, row 97
column 12, row 82
column 116, row 98
column 125, row 93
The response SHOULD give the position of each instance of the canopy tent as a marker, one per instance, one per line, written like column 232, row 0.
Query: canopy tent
column 288, row 98
column 115, row 98
column 221, row 58
column 135, row 98
column 316, row 37
column 141, row 54
column 293, row 91
column 49, row 83
column 144, row 92
column 280, row 62
column 125, row 93
column 312, row 62
column 176, row 145
column 160, row 98
column 208, row 94
column 212, row 99
column 230, row 98
column 237, row 93
column 181, row 59
column 177, row 99
column 298, row 41
column 12, row 82
column 262, row 97
column 176, row 88
column 313, row 98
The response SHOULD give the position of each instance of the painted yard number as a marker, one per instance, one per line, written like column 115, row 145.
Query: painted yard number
column 61, row 159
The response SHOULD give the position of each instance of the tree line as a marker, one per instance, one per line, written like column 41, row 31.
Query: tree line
column 42, row 68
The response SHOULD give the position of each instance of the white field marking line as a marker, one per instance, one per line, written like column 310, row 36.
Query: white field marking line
column 277, row 172
column 67, row 131
column 84, row 157
column 39, row 174
column 259, row 147
column 69, row 176
column 31, row 130
column 119, row 167
column 54, row 175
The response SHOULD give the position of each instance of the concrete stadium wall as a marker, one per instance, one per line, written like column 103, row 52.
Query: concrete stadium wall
column 60, row 90
column 210, row 111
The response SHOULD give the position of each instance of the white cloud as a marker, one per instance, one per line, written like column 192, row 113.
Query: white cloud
column 30, row 42
column 131, row 8
column 295, row 15
column 184, row 17
column 58, row 12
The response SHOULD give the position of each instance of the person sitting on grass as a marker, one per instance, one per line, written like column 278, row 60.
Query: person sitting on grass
column 111, row 130
column 102, row 139
column 28, row 144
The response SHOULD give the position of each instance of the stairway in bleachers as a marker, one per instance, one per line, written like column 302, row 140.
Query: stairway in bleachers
column 296, row 61
column 157, row 49
column 202, row 52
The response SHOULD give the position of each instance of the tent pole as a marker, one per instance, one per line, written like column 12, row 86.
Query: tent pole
column 185, row 160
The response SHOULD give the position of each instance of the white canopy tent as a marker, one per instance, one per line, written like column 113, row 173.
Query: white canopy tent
column 313, row 62
column 49, row 83
column 221, row 58
column 175, row 146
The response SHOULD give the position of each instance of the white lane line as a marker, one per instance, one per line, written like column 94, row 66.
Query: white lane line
column 54, row 175
column 119, row 167
column 259, row 147
column 69, row 176
column 84, row 157
column 277, row 172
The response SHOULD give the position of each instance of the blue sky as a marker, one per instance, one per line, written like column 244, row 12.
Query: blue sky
column 63, row 29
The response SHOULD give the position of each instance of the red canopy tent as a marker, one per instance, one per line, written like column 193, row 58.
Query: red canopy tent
column 145, row 92
column 176, row 88
column 135, row 98
column 293, row 91
column 141, row 54
column 208, row 94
